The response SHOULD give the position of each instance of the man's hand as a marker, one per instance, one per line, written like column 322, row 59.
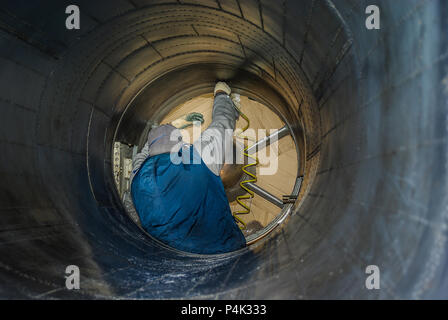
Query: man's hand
column 222, row 87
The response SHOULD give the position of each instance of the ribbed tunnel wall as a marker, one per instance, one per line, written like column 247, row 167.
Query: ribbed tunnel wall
column 368, row 111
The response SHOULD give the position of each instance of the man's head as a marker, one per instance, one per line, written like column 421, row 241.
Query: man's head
column 164, row 139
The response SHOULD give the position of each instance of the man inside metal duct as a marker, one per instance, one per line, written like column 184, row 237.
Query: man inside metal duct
column 176, row 188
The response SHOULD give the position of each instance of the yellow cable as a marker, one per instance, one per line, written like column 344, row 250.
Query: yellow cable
column 249, row 193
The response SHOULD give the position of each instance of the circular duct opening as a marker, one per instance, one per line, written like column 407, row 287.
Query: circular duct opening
column 366, row 108
column 275, row 173
column 193, row 62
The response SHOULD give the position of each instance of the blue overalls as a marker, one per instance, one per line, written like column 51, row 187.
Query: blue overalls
column 185, row 205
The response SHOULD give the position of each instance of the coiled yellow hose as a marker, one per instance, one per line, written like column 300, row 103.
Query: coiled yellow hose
column 249, row 193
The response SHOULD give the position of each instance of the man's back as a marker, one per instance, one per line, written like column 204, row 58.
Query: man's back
column 185, row 206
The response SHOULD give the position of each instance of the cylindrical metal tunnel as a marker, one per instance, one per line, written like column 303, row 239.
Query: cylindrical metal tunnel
column 368, row 111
